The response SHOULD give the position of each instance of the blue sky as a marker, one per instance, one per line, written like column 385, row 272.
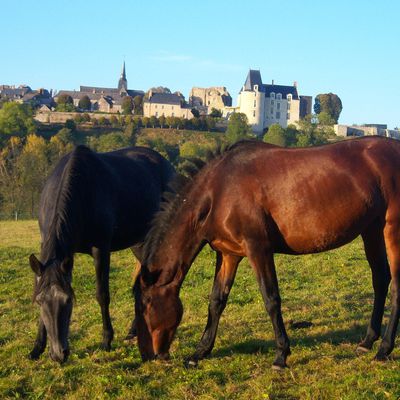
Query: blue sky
column 346, row 47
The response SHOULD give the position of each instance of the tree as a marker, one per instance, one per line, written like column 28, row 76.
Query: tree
column 127, row 105
column 153, row 121
column 85, row 104
column 162, row 120
column 195, row 113
column 145, row 121
column 238, row 127
column 65, row 103
column 138, row 105
column 329, row 103
column 65, row 136
column 108, row 142
column 275, row 135
column 16, row 120
column 215, row 113
column 70, row 124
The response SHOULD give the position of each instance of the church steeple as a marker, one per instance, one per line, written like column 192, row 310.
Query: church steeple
column 123, row 83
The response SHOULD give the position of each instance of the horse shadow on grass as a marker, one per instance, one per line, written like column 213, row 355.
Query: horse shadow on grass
column 350, row 336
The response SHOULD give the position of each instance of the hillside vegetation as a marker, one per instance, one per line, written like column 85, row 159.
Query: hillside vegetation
column 332, row 290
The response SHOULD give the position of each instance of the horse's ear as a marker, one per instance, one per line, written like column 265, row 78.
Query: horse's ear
column 66, row 265
column 36, row 265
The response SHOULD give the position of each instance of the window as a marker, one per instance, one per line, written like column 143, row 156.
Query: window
column 155, row 106
column 162, row 107
column 288, row 116
column 255, row 103
column 254, row 113
column 278, row 115
column 272, row 95
column 278, row 106
column 172, row 115
column 279, row 96
column 288, row 106
column 289, row 97
column 272, row 103
column 172, row 107
column 272, row 111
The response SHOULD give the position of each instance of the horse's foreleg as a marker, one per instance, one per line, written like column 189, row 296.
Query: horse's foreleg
column 40, row 342
column 225, row 272
column 102, row 264
column 392, row 234
column 376, row 255
column 132, row 330
column 264, row 266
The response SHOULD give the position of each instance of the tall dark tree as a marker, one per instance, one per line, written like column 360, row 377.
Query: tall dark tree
column 329, row 103
column 138, row 105
column 127, row 105
column 84, row 103
column 65, row 103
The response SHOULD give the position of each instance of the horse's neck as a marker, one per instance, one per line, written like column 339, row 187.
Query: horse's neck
column 179, row 251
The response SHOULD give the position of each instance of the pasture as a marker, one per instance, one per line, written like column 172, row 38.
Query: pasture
column 331, row 290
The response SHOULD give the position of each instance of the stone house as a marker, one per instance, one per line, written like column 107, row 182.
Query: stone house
column 205, row 99
column 166, row 104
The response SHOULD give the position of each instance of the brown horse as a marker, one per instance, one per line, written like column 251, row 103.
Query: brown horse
column 255, row 200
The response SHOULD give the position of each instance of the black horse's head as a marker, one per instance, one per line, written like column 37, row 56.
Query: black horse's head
column 54, row 295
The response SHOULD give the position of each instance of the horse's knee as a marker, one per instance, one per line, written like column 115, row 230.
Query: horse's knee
column 273, row 304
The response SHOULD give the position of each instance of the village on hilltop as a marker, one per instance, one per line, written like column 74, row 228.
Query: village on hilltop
column 264, row 104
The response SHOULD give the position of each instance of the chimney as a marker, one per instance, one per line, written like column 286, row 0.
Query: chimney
column 273, row 82
column 295, row 84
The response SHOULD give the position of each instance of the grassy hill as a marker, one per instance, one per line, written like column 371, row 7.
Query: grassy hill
column 332, row 290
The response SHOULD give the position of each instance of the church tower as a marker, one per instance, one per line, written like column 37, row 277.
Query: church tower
column 123, row 83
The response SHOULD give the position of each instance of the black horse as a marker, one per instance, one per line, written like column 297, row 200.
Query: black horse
column 93, row 204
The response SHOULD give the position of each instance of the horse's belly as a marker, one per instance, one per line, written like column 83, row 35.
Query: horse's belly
column 314, row 231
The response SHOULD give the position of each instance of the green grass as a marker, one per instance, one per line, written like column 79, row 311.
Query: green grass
column 332, row 290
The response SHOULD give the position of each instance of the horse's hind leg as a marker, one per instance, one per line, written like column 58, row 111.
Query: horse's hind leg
column 392, row 240
column 375, row 251
column 264, row 266
column 102, row 264
column 225, row 272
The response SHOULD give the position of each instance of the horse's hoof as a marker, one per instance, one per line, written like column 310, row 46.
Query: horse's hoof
column 362, row 350
column 105, row 346
column 35, row 354
column 279, row 367
column 130, row 336
column 381, row 357
column 191, row 363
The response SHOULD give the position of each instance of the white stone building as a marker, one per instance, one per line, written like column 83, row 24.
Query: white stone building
column 267, row 104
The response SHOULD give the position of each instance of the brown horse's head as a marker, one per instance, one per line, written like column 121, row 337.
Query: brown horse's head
column 158, row 313
column 53, row 293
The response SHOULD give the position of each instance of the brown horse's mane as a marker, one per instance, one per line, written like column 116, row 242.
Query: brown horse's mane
column 174, row 196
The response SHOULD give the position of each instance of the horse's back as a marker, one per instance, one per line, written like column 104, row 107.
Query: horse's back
column 306, row 200
column 115, row 193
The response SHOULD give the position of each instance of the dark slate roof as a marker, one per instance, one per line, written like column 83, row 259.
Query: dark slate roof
column 284, row 90
column 165, row 98
column 253, row 78
column 99, row 89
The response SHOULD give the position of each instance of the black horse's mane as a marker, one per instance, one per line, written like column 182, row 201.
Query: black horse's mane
column 67, row 210
column 174, row 196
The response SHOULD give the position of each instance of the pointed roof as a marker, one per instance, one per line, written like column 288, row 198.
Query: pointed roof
column 253, row 78
column 123, row 74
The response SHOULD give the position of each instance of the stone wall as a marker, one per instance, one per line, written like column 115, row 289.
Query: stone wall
column 56, row 117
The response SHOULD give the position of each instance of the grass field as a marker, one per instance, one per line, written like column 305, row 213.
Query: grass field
column 332, row 290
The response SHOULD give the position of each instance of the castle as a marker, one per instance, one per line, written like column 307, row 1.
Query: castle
column 267, row 104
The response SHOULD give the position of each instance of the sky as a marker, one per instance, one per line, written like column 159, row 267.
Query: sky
column 350, row 47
